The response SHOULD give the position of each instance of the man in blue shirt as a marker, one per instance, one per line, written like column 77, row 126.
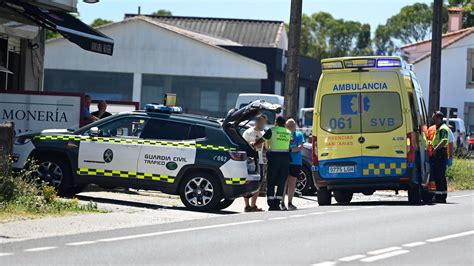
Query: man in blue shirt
column 296, row 145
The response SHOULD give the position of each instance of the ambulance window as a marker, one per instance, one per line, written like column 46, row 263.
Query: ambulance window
column 340, row 113
column 382, row 112
column 165, row 130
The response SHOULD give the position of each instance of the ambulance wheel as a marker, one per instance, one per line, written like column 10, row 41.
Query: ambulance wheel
column 224, row 204
column 200, row 191
column 427, row 197
column 324, row 197
column 343, row 197
column 415, row 194
column 57, row 173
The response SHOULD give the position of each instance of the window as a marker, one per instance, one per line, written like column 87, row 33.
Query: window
column 197, row 132
column 470, row 68
column 340, row 113
column 166, row 130
column 382, row 112
column 130, row 127
column 361, row 112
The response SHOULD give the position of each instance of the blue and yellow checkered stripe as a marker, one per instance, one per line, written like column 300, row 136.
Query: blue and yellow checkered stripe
column 125, row 174
column 385, row 169
column 235, row 181
column 134, row 141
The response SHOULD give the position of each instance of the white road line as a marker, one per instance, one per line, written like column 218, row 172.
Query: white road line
column 316, row 213
column 39, row 249
column 176, row 231
column 414, row 244
column 385, row 255
column 380, row 251
column 334, row 211
column 80, row 243
column 442, row 238
column 353, row 209
column 352, row 258
column 298, row 215
column 325, row 263
column 5, row 254
column 278, row 218
column 369, row 207
column 461, row 196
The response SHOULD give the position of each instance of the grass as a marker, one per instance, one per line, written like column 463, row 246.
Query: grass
column 22, row 196
column 461, row 174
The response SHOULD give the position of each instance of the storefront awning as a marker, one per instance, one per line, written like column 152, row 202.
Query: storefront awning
column 71, row 28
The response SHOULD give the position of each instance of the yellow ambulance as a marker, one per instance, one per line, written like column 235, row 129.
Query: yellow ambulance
column 368, row 124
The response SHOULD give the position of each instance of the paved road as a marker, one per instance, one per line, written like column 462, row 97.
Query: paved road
column 360, row 233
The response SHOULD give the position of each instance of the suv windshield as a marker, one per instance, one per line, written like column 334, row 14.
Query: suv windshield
column 369, row 112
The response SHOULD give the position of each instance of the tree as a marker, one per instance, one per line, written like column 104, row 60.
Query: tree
column 324, row 36
column 99, row 22
column 162, row 12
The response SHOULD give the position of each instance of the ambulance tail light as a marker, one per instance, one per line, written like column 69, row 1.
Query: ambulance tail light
column 314, row 151
column 410, row 148
column 238, row 155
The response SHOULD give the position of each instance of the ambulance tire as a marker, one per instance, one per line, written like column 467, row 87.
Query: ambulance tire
column 195, row 186
column 415, row 195
column 57, row 172
column 224, row 204
column 343, row 197
column 324, row 197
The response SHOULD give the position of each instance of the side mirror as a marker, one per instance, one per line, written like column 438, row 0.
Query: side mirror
column 94, row 131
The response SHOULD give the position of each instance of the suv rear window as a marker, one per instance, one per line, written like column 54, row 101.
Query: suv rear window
column 367, row 112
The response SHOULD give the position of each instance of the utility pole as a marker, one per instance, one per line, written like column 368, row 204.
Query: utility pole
column 435, row 70
column 292, row 68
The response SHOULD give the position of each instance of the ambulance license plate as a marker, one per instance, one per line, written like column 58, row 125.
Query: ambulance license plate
column 341, row 169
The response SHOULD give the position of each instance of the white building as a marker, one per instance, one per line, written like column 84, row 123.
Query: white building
column 457, row 68
column 152, row 58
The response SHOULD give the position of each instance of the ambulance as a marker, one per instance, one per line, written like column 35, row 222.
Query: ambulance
column 367, row 130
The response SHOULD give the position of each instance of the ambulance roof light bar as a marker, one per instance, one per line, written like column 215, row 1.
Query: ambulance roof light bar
column 362, row 63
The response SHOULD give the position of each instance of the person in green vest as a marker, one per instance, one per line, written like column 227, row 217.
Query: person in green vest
column 278, row 164
column 440, row 157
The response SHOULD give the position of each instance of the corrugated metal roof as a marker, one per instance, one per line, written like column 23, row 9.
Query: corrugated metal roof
column 258, row 33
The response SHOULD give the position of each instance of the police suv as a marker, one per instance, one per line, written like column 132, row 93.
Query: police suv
column 205, row 161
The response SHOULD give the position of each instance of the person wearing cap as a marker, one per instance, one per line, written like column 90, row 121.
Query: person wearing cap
column 440, row 156
column 278, row 165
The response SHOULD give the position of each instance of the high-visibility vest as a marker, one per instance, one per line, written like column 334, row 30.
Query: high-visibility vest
column 280, row 139
column 437, row 139
column 431, row 134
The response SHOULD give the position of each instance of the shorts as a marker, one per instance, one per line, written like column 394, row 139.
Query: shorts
column 295, row 170
column 263, row 179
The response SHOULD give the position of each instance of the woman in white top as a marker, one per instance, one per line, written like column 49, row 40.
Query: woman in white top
column 251, row 135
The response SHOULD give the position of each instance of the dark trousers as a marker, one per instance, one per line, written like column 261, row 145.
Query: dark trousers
column 277, row 172
column 439, row 172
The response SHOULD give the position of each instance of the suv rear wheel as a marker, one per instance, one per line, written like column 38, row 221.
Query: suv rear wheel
column 200, row 191
column 57, row 173
column 224, row 204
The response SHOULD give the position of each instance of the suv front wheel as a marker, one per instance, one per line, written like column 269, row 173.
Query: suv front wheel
column 57, row 172
column 200, row 191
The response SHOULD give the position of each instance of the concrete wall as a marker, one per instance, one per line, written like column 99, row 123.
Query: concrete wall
column 453, row 79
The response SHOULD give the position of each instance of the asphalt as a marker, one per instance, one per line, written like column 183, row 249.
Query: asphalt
column 376, row 233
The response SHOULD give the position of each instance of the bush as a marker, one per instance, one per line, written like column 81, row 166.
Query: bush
column 21, row 193
column 461, row 174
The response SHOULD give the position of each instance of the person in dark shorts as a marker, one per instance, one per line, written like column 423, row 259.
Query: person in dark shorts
column 296, row 145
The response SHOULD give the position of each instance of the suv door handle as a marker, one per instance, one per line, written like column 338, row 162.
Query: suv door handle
column 374, row 147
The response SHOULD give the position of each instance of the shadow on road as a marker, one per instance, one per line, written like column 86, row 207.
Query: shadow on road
column 141, row 204
column 388, row 203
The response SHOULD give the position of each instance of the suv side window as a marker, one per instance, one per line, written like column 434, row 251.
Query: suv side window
column 166, row 130
column 197, row 132
column 128, row 127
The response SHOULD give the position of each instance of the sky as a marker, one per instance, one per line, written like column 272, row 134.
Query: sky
column 374, row 12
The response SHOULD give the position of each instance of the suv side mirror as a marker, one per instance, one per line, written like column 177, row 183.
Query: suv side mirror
column 94, row 131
